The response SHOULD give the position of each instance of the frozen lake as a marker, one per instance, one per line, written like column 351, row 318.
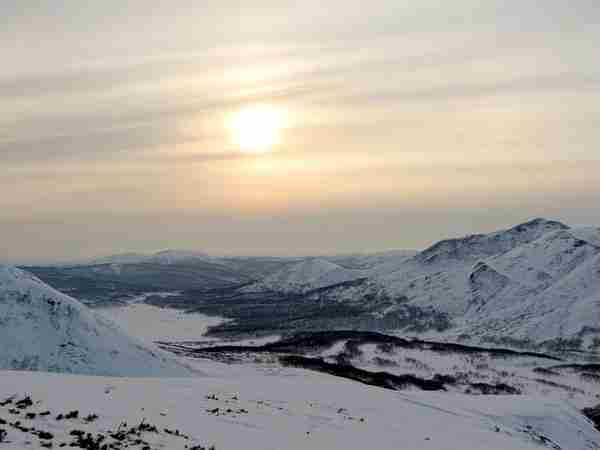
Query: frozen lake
column 151, row 323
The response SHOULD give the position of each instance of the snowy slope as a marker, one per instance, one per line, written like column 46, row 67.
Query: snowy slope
column 479, row 246
column 548, row 296
column 241, row 408
column 539, row 280
column 305, row 276
column 42, row 329
column 531, row 270
column 439, row 275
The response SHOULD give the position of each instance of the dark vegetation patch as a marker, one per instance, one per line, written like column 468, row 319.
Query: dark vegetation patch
column 589, row 368
column 394, row 382
column 294, row 351
column 546, row 371
column 256, row 314
column 506, row 341
column 563, row 344
column 102, row 285
column 492, row 389
column 380, row 379
column 306, row 343
column 560, row 386
column 92, row 289
column 594, row 415
column 124, row 436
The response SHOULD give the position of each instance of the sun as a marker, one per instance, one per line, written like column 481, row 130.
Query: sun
column 256, row 129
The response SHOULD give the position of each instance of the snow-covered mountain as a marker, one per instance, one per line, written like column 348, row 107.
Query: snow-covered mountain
column 477, row 246
column 43, row 329
column 539, row 280
column 549, row 288
column 307, row 275
column 438, row 276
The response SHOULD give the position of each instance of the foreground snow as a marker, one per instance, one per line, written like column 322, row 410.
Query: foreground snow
column 245, row 408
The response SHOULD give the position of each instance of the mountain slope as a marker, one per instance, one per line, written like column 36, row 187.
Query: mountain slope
column 479, row 246
column 533, row 269
column 307, row 275
column 438, row 276
column 42, row 329
column 551, row 295
column 536, row 281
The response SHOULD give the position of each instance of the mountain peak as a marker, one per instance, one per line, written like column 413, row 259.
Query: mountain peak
column 478, row 246
column 540, row 222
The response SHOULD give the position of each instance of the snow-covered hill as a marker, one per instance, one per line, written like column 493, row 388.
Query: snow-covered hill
column 307, row 275
column 43, row 329
column 176, row 256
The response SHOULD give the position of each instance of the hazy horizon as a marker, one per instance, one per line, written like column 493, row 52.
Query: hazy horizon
column 279, row 128
column 275, row 253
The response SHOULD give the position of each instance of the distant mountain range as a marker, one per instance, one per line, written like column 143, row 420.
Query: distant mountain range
column 163, row 257
column 535, row 282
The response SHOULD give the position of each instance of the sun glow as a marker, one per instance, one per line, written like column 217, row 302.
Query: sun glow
column 256, row 129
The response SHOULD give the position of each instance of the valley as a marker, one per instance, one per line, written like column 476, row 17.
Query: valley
column 494, row 336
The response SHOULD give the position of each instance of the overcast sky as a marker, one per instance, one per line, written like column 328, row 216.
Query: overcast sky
column 405, row 122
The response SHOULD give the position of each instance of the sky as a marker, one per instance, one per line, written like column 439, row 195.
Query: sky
column 396, row 123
